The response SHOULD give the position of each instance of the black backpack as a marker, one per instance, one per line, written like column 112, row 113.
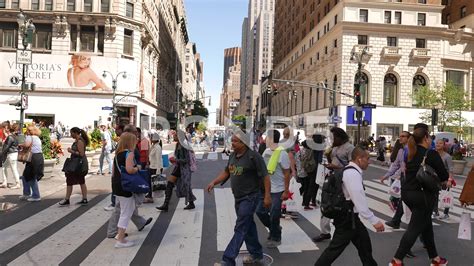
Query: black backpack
column 333, row 201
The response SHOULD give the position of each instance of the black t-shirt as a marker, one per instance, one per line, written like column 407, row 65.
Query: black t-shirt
column 432, row 159
column 246, row 173
column 117, row 189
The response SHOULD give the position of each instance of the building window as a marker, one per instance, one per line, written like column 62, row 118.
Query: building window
column 335, row 19
column 87, row 37
column 420, row 43
column 8, row 35
column 325, row 50
column 15, row 4
column 363, row 15
column 388, row 17
column 363, row 83
column 73, row 34
column 100, row 41
column 362, row 39
column 43, row 36
column 335, row 43
column 390, row 90
column 463, row 11
column 128, row 42
column 35, row 5
column 3, row 4
column 421, row 1
column 392, row 41
column 87, row 5
column 418, row 82
column 105, row 6
column 456, row 77
column 398, row 17
column 71, row 5
column 421, row 19
column 48, row 5
column 448, row 19
column 317, row 56
column 129, row 11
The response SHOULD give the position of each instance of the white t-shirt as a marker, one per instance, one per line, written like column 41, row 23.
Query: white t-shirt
column 35, row 143
column 278, row 178
column 108, row 138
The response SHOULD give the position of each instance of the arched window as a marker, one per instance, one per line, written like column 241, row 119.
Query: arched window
column 364, row 86
column 390, row 90
column 418, row 81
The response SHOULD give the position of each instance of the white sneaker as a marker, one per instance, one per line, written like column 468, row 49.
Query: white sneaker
column 124, row 244
column 23, row 197
column 444, row 217
column 33, row 199
column 109, row 208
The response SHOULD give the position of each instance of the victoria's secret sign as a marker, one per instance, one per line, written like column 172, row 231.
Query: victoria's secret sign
column 36, row 70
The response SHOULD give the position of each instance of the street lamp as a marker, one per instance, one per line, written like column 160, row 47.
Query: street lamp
column 114, row 89
column 26, row 29
column 358, row 58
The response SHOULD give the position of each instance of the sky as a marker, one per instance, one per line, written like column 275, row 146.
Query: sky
column 214, row 25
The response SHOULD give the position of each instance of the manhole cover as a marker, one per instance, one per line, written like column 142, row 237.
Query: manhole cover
column 267, row 260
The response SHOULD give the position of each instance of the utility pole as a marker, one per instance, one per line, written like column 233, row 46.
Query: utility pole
column 114, row 91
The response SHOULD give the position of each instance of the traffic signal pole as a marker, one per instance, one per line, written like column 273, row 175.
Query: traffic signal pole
column 358, row 103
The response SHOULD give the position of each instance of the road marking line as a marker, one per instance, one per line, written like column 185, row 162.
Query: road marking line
column 199, row 155
column 65, row 241
column 106, row 253
column 226, row 217
column 181, row 244
column 212, row 156
column 314, row 217
column 20, row 231
column 294, row 239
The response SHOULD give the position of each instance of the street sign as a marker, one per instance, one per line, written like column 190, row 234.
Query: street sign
column 14, row 80
column 108, row 108
column 24, row 101
column 334, row 119
column 24, row 57
column 369, row 105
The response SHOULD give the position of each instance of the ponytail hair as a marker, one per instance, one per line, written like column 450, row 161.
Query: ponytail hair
column 416, row 138
column 83, row 134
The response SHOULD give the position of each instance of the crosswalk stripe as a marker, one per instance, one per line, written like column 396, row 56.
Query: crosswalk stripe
column 212, row 156
column 199, row 155
column 225, row 157
column 226, row 217
column 18, row 232
column 183, row 237
column 62, row 243
column 106, row 254
column 294, row 239
column 314, row 217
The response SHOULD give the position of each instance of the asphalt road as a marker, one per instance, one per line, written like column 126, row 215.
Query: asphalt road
column 44, row 234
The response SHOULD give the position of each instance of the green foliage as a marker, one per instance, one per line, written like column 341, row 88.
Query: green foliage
column 46, row 143
column 451, row 100
column 199, row 109
column 202, row 126
column 457, row 155
column 95, row 139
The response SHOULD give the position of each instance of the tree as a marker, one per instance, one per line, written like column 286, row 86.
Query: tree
column 199, row 109
column 451, row 100
column 239, row 120
column 202, row 126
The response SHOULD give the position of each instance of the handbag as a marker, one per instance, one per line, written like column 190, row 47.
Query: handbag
column 135, row 183
column 446, row 199
column 73, row 165
column 395, row 189
column 464, row 231
column 428, row 177
column 25, row 155
column 158, row 182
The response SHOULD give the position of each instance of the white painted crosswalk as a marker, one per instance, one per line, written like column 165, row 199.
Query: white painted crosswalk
column 183, row 236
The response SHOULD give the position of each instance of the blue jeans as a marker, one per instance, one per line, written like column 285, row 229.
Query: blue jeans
column 30, row 188
column 105, row 154
column 245, row 230
column 271, row 217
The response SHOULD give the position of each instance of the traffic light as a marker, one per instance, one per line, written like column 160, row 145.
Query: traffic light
column 269, row 83
column 357, row 95
column 294, row 93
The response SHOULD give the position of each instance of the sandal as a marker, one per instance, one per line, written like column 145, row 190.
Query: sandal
column 83, row 202
column 64, row 202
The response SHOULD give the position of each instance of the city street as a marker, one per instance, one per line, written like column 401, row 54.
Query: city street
column 42, row 233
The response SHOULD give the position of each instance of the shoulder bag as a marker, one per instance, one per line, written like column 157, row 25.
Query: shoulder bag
column 25, row 154
column 428, row 177
column 135, row 183
column 73, row 165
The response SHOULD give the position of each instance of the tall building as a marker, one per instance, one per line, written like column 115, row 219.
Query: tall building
column 257, row 33
column 458, row 13
column 190, row 72
column 80, row 46
column 241, row 108
column 402, row 45
column 231, row 58
column 230, row 95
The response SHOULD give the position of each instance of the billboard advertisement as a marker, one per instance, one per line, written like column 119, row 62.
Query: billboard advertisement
column 76, row 71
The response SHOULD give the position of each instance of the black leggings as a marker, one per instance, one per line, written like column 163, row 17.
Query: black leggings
column 309, row 189
column 421, row 205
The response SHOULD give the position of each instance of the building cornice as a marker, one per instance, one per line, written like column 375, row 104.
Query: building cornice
column 393, row 5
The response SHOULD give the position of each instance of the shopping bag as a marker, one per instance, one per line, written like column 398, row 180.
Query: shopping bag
column 446, row 199
column 293, row 204
column 395, row 189
column 464, row 231
column 320, row 175
column 407, row 212
column 158, row 182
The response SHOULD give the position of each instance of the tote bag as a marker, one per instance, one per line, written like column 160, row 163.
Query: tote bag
column 25, row 154
column 135, row 183
column 293, row 204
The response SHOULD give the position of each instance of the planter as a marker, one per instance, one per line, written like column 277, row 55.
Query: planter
column 458, row 167
column 95, row 160
column 90, row 156
column 48, row 168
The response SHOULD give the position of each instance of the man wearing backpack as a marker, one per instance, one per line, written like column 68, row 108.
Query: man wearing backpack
column 247, row 172
column 278, row 166
column 341, row 151
column 349, row 228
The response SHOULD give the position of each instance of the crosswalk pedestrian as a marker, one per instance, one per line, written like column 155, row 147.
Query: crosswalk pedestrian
column 53, row 235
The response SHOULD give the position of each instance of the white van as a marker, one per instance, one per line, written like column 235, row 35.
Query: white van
column 445, row 135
